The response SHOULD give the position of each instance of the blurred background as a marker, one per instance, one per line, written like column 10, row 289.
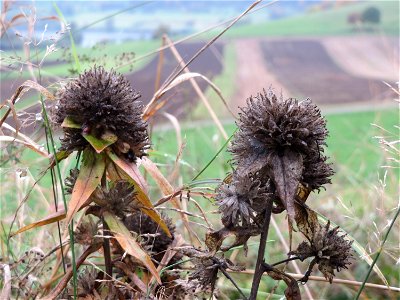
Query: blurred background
column 344, row 55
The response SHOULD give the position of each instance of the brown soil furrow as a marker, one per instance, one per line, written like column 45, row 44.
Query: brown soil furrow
column 309, row 71
column 252, row 74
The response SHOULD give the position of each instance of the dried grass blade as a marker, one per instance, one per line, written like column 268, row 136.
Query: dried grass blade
column 35, row 147
column 48, row 220
column 21, row 90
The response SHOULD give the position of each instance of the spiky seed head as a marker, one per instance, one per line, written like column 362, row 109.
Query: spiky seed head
column 241, row 199
column 121, row 199
column 100, row 102
column 142, row 224
column 330, row 249
column 269, row 126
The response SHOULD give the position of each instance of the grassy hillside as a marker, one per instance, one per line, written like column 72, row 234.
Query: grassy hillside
column 329, row 22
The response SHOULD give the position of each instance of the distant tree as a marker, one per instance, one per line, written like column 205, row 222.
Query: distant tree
column 371, row 15
column 160, row 30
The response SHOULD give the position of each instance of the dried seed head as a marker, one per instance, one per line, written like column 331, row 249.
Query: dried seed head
column 205, row 274
column 270, row 127
column 241, row 199
column 86, row 282
column 70, row 180
column 330, row 250
column 102, row 102
column 121, row 199
column 85, row 233
column 142, row 224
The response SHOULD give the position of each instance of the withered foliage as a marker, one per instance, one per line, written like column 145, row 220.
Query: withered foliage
column 278, row 153
column 102, row 102
column 282, row 140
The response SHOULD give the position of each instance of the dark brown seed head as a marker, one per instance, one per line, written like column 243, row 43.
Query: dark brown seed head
column 331, row 251
column 101, row 101
column 142, row 224
column 85, row 233
column 121, row 199
column 241, row 199
column 270, row 127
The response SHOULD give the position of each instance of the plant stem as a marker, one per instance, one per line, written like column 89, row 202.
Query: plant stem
column 106, row 241
column 259, row 269
column 285, row 261
column 233, row 282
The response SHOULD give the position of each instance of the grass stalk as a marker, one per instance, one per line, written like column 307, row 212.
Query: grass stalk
column 378, row 254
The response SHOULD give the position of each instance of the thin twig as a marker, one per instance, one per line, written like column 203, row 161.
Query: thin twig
column 335, row 280
column 285, row 261
column 233, row 282
column 172, row 78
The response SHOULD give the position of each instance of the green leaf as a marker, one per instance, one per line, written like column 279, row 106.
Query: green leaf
column 70, row 123
column 99, row 144
column 122, row 169
column 129, row 244
column 90, row 174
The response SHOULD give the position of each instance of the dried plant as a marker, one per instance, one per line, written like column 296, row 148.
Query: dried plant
column 278, row 154
column 102, row 104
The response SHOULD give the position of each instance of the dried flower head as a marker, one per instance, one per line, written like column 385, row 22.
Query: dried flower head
column 69, row 182
column 268, row 126
column 330, row 250
column 241, row 199
column 102, row 102
column 86, row 282
column 120, row 199
column 156, row 240
column 85, row 233
column 282, row 140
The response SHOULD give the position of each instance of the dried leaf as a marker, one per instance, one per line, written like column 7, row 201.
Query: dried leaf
column 57, row 216
column 129, row 168
column 90, row 174
column 306, row 221
column 33, row 146
column 286, row 172
column 165, row 187
column 120, row 169
column 99, row 144
column 128, row 243
column 292, row 291
column 69, row 122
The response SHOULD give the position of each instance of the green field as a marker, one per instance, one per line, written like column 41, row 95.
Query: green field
column 321, row 23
